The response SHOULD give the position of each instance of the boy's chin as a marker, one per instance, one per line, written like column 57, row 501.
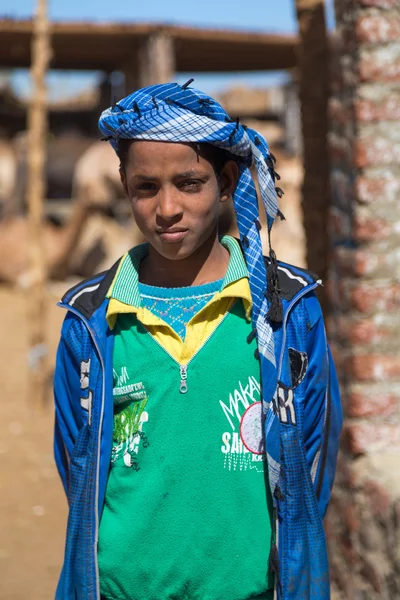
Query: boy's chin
column 183, row 248
column 175, row 251
column 178, row 251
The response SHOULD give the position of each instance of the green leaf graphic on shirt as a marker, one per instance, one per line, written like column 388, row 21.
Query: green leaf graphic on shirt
column 127, row 422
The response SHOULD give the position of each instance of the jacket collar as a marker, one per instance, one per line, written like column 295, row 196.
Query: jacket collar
column 88, row 295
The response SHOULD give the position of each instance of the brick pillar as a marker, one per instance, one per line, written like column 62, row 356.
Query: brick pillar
column 363, row 524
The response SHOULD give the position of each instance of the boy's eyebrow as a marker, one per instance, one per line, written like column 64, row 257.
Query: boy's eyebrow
column 191, row 173
column 142, row 177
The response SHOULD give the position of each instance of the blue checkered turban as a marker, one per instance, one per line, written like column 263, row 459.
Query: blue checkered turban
column 174, row 113
column 171, row 113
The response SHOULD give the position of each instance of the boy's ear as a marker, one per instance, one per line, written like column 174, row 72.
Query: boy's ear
column 228, row 180
column 123, row 181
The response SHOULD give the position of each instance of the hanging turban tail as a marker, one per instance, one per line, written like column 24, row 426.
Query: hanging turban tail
column 174, row 113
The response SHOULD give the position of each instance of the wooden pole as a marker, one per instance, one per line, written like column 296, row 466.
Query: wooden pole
column 156, row 60
column 37, row 133
column 313, row 62
column 153, row 63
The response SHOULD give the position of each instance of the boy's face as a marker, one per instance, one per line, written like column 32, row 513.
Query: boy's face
column 175, row 195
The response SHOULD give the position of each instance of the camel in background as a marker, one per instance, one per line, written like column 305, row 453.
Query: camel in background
column 97, row 189
column 8, row 176
column 96, row 176
column 14, row 245
column 89, row 241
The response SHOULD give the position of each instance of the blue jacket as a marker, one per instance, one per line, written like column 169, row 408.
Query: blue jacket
column 306, row 401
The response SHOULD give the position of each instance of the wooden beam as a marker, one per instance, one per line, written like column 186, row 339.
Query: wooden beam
column 107, row 47
column 313, row 62
column 37, row 133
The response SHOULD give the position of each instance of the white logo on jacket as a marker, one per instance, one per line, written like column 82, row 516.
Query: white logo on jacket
column 85, row 371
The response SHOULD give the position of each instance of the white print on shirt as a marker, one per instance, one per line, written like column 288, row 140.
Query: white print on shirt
column 124, row 390
column 241, row 399
column 236, row 455
column 252, row 428
column 123, row 377
column 133, row 443
column 130, row 444
column 128, row 423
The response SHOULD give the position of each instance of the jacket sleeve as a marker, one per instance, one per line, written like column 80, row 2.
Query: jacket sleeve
column 322, row 420
column 68, row 412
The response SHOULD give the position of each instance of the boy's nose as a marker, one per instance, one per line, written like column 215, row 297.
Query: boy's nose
column 169, row 207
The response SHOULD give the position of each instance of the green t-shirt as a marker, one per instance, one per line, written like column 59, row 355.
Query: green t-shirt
column 187, row 512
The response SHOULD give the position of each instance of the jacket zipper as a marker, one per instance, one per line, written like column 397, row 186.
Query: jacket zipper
column 183, row 368
column 96, row 507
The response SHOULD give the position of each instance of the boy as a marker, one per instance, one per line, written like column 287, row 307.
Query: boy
column 197, row 409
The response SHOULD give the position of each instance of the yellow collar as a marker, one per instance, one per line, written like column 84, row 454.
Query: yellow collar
column 236, row 289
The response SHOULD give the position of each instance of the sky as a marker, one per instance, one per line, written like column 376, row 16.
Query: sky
column 251, row 15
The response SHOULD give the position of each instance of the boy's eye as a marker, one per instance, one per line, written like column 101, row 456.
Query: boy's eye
column 191, row 184
column 146, row 186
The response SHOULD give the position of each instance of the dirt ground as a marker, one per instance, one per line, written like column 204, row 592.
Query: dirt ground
column 32, row 503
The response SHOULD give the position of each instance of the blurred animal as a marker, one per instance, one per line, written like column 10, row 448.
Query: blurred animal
column 89, row 239
column 15, row 240
column 96, row 185
column 8, row 176
column 63, row 152
column 96, row 177
column 89, row 242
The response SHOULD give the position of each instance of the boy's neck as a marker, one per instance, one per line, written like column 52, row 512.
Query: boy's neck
column 208, row 263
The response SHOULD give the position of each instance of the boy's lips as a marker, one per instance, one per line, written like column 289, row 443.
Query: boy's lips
column 172, row 236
